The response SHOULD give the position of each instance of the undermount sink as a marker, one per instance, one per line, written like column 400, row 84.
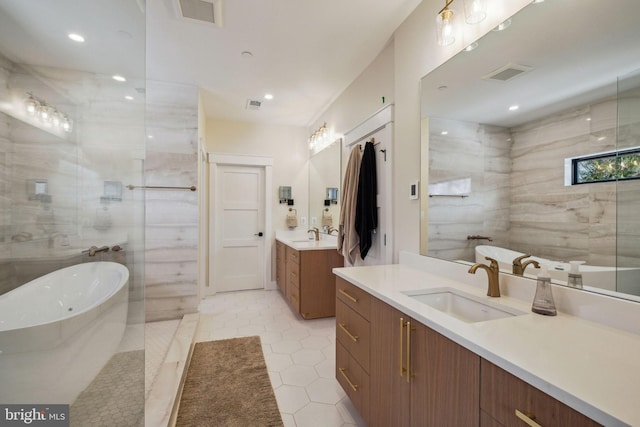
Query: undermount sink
column 461, row 305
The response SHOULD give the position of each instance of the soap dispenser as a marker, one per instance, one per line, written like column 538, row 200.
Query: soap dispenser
column 543, row 301
column 575, row 277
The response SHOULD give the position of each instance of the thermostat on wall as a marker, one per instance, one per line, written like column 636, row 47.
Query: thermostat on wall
column 414, row 187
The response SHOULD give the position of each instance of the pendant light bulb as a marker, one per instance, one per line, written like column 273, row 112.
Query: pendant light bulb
column 444, row 27
column 475, row 11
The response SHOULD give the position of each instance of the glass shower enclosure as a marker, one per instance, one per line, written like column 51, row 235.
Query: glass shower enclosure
column 72, row 148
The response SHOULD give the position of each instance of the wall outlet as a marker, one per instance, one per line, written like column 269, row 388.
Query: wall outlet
column 303, row 220
column 314, row 221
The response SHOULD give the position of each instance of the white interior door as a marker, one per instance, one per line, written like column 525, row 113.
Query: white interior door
column 238, row 216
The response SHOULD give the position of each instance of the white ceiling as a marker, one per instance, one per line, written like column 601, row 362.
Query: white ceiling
column 576, row 50
column 304, row 52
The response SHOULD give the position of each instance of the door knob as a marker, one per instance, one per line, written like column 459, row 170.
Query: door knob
column 259, row 234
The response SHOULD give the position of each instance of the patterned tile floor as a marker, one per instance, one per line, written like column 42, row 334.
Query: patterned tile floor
column 157, row 339
column 300, row 354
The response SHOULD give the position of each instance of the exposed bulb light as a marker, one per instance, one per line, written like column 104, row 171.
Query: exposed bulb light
column 76, row 37
column 475, row 11
column 444, row 26
column 119, row 78
column 31, row 105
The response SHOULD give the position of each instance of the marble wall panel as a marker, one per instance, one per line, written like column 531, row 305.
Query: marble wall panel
column 171, row 216
column 480, row 153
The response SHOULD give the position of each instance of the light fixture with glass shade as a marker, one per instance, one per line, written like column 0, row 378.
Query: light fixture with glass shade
column 475, row 11
column 444, row 25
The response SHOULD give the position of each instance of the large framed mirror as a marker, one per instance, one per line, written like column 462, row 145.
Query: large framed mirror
column 501, row 121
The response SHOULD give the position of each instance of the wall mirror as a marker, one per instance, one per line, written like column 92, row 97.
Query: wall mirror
column 324, row 181
column 498, row 123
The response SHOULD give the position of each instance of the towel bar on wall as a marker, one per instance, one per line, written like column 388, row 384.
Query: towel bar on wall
column 151, row 187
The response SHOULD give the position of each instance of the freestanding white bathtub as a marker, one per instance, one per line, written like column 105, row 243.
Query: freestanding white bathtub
column 625, row 280
column 59, row 330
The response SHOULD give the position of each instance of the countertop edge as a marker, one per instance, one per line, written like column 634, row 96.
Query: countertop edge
column 499, row 360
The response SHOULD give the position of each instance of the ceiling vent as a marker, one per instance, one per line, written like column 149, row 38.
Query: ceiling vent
column 252, row 104
column 205, row 11
column 508, row 72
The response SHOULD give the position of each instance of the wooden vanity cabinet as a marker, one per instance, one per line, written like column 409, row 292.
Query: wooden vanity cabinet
column 306, row 279
column 281, row 263
column 508, row 401
column 419, row 377
column 353, row 345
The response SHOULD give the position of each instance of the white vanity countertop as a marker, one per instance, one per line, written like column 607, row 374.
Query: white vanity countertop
column 301, row 242
column 592, row 368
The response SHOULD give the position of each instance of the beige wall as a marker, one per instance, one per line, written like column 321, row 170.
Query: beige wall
column 396, row 74
column 288, row 147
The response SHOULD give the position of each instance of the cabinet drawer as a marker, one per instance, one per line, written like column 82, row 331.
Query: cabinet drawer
column 354, row 380
column 507, row 398
column 354, row 297
column 352, row 331
column 293, row 255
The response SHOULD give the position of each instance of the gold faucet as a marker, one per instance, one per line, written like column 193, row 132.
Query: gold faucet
column 331, row 230
column 93, row 250
column 518, row 267
column 315, row 231
column 493, row 273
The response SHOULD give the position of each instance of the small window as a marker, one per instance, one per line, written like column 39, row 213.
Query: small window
column 603, row 167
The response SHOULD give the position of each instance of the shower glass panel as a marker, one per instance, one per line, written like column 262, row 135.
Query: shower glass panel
column 71, row 233
column 628, row 192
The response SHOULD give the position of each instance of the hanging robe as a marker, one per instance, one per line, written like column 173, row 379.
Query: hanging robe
column 367, row 206
column 347, row 235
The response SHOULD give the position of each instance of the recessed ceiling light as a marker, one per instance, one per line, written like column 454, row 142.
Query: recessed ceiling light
column 444, row 132
column 76, row 37
column 514, row 107
column 602, row 138
column 246, row 54
column 588, row 119
column 268, row 96
column 129, row 98
column 443, row 87
column 471, row 47
column 119, row 78
column 150, row 136
column 503, row 26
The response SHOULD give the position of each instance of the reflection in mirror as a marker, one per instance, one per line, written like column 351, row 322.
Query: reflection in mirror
column 494, row 147
column 324, row 181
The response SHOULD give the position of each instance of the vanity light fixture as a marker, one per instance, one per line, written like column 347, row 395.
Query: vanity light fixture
column 46, row 114
column 475, row 11
column 444, row 25
column 319, row 137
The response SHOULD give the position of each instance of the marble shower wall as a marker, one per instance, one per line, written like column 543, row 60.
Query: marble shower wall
column 552, row 220
column 480, row 154
column 171, row 230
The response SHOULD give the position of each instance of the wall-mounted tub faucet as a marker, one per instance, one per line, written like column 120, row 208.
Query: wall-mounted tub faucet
column 477, row 237
column 93, row 250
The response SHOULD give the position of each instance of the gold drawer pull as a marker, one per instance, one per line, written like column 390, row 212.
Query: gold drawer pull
column 352, row 385
column 346, row 331
column 527, row 418
column 343, row 292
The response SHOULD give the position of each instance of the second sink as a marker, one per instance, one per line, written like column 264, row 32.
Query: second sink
column 461, row 305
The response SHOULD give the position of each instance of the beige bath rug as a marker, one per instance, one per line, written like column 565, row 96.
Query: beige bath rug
column 227, row 384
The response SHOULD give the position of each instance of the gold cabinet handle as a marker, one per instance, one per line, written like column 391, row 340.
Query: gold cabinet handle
column 343, row 292
column 401, row 358
column 527, row 418
column 352, row 385
column 408, row 351
column 346, row 331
